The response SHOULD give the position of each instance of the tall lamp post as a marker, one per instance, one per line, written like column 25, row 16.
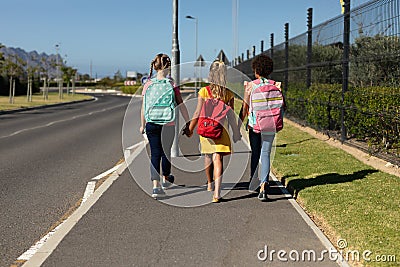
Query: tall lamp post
column 175, row 71
column 196, row 22
column 60, row 93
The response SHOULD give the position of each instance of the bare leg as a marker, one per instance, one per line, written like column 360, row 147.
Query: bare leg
column 218, row 169
column 156, row 184
column 208, row 164
column 262, row 187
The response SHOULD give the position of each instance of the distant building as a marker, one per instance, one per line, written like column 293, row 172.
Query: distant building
column 132, row 74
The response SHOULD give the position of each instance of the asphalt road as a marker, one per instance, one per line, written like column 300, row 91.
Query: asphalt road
column 47, row 156
column 126, row 227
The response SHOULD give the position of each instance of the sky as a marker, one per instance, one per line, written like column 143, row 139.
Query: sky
column 125, row 35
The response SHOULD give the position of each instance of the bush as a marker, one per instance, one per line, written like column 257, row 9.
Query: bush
column 372, row 114
column 20, row 87
column 131, row 89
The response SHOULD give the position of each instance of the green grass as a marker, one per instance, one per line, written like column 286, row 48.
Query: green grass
column 37, row 100
column 345, row 197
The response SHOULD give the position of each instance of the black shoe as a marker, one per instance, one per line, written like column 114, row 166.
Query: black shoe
column 263, row 196
column 168, row 182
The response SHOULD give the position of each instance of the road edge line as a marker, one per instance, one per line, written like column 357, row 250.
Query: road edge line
column 54, row 238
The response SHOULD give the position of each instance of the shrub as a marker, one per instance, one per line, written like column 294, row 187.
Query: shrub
column 131, row 89
column 372, row 114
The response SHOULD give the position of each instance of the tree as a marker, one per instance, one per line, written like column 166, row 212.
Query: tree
column 68, row 74
column 13, row 66
column 118, row 76
column 74, row 72
column 44, row 73
column 31, row 70
column 375, row 61
column 1, row 59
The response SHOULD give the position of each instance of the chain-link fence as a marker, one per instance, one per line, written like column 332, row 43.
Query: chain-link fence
column 342, row 76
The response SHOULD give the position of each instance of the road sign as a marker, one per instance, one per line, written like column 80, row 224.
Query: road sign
column 200, row 62
column 126, row 83
column 144, row 79
column 222, row 57
column 131, row 74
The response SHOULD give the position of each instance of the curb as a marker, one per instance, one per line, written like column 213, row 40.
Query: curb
column 12, row 111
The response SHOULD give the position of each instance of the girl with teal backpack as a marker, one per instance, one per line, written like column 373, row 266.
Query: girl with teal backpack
column 160, row 97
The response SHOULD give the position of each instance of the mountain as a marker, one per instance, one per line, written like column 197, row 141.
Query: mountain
column 34, row 59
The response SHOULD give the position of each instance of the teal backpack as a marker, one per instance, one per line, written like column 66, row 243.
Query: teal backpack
column 159, row 102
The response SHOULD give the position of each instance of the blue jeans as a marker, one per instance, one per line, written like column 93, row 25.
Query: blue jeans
column 261, row 146
column 160, row 139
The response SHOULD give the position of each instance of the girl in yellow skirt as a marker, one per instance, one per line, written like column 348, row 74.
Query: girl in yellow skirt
column 215, row 149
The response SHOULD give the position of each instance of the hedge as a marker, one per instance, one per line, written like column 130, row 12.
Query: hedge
column 130, row 89
column 21, row 87
column 372, row 114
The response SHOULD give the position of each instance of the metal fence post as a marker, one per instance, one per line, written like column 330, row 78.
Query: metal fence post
column 309, row 46
column 286, row 75
column 272, row 46
column 346, row 53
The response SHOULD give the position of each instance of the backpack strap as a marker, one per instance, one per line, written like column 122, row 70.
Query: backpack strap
column 267, row 81
column 209, row 91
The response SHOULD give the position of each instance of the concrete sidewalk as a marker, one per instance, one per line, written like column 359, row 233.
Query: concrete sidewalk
column 126, row 227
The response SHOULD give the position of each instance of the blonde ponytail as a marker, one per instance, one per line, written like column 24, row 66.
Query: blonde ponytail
column 217, row 79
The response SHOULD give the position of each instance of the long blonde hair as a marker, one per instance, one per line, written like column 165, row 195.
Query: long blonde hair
column 217, row 79
column 160, row 62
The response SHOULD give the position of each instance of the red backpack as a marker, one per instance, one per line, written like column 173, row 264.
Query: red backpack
column 212, row 117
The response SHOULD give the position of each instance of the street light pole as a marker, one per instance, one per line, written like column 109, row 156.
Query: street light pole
column 175, row 71
column 60, row 94
column 196, row 23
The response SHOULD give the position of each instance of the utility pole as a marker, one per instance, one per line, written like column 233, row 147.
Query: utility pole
column 196, row 51
column 60, row 93
column 175, row 71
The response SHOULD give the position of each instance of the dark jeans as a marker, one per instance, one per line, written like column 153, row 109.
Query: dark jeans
column 255, row 145
column 160, row 138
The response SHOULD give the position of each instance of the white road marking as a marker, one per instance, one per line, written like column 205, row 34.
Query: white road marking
column 98, row 177
column 59, row 121
column 39, row 252
column 32, row 250
column 88, row 191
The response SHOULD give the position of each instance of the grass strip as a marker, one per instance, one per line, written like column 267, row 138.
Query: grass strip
column 346, row 198
column 37, row 100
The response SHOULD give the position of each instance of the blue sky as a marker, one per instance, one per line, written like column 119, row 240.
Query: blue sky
column 126, row 34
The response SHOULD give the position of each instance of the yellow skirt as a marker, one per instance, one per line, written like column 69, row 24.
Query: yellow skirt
column 221, row 145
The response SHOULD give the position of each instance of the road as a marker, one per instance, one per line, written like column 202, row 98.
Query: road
column 47, row 157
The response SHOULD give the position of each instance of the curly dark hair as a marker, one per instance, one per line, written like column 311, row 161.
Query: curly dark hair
column 262, row 65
